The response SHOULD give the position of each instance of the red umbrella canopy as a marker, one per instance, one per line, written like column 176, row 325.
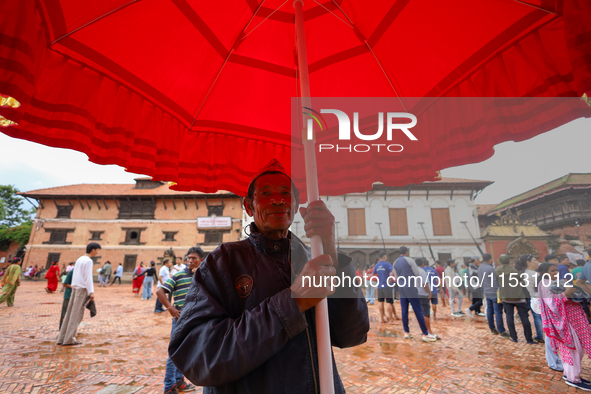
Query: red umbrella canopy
column 199, row 92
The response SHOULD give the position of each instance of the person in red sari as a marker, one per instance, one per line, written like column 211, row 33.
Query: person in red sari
column 138, row 278
column 52, row 277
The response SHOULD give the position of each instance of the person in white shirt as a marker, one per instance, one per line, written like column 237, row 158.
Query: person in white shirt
column 178, row 267
column 118, row 274
column 528, row 264
column 163, row 276
column 82, row 288
column 455, row 292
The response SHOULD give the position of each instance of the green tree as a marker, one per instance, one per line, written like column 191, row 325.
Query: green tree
column 15, row 221
column 19, row 234
column 11, row 211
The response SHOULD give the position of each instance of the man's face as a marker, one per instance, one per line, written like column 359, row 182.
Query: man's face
column 273, row 205
column 193, row 261
column 94, row 252
column 565, row 261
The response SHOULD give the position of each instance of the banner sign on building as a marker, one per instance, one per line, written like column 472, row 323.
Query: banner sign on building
column 214, row 222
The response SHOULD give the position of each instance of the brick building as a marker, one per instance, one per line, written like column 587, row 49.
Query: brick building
column 561, row 207
column 132, row 222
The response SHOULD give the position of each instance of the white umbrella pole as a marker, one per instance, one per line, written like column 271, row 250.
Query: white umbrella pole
column 322, row 324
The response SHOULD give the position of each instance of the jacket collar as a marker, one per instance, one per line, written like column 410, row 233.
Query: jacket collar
column 280, row 247
column 266, row 244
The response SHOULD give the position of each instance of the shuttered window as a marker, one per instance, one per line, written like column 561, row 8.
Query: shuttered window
column 441, row 222
column 356, row 221
column 398, row 223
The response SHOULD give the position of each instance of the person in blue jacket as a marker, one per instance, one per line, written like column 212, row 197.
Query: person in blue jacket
column 248, row 324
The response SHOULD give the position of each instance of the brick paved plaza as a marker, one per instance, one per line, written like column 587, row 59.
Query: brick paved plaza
column 124, row 351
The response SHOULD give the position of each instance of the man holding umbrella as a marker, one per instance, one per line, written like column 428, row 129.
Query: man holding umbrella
column 248, row 324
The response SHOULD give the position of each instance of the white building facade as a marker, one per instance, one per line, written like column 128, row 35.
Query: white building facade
column 442, row 212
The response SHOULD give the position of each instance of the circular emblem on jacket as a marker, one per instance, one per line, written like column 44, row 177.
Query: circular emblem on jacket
column 243, row 285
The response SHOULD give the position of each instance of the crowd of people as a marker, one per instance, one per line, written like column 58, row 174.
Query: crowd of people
column 555, row 293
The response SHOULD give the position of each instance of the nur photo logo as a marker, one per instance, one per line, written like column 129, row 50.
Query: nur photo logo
column 391, row 122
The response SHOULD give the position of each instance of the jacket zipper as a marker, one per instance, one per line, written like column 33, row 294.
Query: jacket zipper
column 311, row 358
column 307, row 327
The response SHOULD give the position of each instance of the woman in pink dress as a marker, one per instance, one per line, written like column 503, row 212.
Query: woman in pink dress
column 565, row 326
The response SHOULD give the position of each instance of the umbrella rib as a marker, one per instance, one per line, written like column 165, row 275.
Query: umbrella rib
column 375, row 57
column 226, row 61
column 536, row 7
column 336, row 16
column 263, row 21
column 95, row 20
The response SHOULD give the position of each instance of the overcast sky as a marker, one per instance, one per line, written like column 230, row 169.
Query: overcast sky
column 514, row 168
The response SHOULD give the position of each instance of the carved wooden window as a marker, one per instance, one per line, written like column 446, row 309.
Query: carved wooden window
column 133, row 236
column 217, row 210
column 96, row 235
column 213, row 237
column 443, row 257
column 64, row 211
column 356, row 218
column 398, row 221
column 169, row 236
column 441, row 221
column 58, row 236
column 137, row 209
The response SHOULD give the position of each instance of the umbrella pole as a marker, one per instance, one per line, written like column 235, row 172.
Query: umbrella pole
column 322, row 324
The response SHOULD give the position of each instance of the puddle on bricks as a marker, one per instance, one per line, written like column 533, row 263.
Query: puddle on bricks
column 363, row 351
column 365, row 371
column 388, row 348
column 388, row 333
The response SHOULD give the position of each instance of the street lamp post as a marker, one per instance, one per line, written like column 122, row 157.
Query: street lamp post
column 427, row 239
column 382, row 235
column 475, row 243
column 421, row 249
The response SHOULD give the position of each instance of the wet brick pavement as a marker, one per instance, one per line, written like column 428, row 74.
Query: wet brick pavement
column 125, row 346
